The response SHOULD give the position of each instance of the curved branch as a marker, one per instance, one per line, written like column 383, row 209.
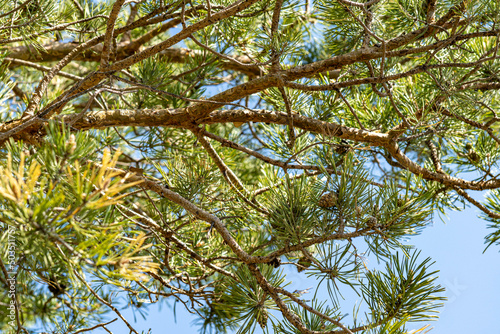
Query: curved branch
column 181, row 118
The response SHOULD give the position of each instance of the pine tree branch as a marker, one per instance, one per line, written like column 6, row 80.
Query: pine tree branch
column 15, row 9
column 477, row 204
column 190, row 207
column 31, row 48
column 108, row 304
column 170, row 235
column 40, row 67
column 183, row 34
column 104, row 324
column 108, row 36
column 228, row 174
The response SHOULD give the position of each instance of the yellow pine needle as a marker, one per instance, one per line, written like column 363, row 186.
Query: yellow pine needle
column 14, row 185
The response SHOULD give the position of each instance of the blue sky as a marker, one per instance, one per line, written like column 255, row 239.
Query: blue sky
column 456, row 245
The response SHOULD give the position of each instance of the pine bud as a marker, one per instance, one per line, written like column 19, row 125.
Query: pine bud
column 328, row 200
column 71, row 144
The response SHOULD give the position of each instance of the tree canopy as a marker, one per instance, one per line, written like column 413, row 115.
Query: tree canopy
column 172, row 151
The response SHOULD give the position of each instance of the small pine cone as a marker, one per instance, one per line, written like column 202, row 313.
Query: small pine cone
column 304, row 262
column 371, row 221
column 474, row 157
column 56, row 287
column 340, row 149
column 262, row 317
column 401, row 202
column 276, row 262
column 328, row 200
column 359, row 210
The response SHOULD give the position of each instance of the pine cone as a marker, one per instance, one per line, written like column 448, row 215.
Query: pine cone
column 56, row 287
column 328, row 200
column 401, row 202
column 340, row 149
column 371, row 221
column 304, row 262
column 474, row 157
column 262, row 317
column 276, row 262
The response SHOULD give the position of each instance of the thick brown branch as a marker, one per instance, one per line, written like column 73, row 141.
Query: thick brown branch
column 181, row 118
